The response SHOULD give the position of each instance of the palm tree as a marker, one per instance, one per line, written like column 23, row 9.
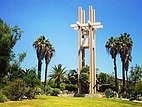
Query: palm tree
column 40, row 45
column 112, row 50
column 48, row 55
column 58, row 74
column 127, row 62
column 124, row 43
column 72, row 76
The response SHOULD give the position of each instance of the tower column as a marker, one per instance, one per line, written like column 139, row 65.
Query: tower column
column 87, row 29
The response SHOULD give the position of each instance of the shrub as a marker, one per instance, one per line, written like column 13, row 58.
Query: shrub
column 62, row 86
column 84, row 81
column 30, row 93
column 138, row 87
column 71, row 87
column 15, row 91
column 3, row 98
column 54, row 91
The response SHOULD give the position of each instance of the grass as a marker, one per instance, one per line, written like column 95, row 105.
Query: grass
column 50, row 101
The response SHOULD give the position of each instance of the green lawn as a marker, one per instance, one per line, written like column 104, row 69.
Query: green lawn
column 49, row 101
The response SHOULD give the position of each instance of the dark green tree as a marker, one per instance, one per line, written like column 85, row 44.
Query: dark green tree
column 31, row 80
column 8, row 39
column 58, row 74
column 138, row 87
column 111, row 47
column 125, row 44
column 15, row 70
column 40, row 45
column 48, row 56
column 134, row 77
column 71, row 80
column 84, row 80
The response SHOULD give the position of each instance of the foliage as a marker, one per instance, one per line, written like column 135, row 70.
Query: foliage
column 54, row 91
column 135, row 74
column 62, row 86
column 3, row 98
column 84, row 80
column 58, row 74
column 31, row 81
column 15, row 70
column 72, row 77
column 52, row 83
column 122, row 45
column 40, row 44
column 48, row 55
column 111, row 46
column 71, row 87
column 138, row 87
column 134, row 77
column 16, row 90
column 125, row 44
column 30, row 92
column 105, row 81
column 8, row 39
column 71, row 80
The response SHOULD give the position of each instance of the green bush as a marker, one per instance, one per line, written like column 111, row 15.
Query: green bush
column 138, row 87
column 71, row 87
column 84, row 81
column 3, row 98
column 30, row 93
column 54, row 91
column 62, row 86
column 15, row 91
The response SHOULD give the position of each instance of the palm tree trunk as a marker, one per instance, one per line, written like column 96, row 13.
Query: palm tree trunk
column 39, row 69
column 45, row 76
column 123, row 74
column 126, row 80
column 115, row 70
column 127, row 76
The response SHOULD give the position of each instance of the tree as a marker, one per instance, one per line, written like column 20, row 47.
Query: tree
column 71, row 80
column 31, row 80
column 138, row 87
column 8, row 39
column 124, row 43
column 105, row 81
column 48, row 55
column 72, row 77
column 127, row 61
column 58, row 74
column 84, row 80
column 15, row 70
column 135, row 74
column 40, row 45
column 111, row 47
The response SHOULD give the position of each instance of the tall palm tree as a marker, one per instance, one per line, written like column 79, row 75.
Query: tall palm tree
column 124, row 43
column 112, row 50
column 40, row 45
column 48, row 55
column 58, row 74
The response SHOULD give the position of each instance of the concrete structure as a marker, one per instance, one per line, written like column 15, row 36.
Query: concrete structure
column 87, row 39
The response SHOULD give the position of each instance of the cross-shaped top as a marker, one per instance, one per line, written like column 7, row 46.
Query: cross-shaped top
column 91, row 22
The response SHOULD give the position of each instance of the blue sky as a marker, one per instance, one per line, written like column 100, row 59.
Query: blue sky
column 53, row 18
